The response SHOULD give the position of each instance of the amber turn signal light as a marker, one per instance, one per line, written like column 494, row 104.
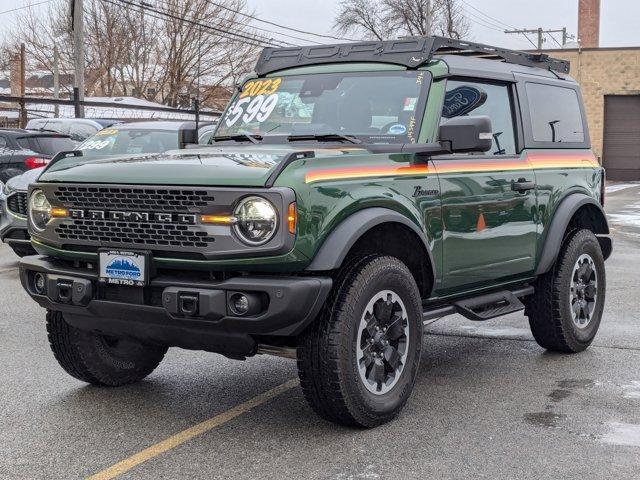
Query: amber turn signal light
column 59, row 212
column 218, row 219
column 292, row 217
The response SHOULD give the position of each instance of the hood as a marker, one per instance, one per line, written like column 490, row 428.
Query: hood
column 248, row 166
column 22, row 182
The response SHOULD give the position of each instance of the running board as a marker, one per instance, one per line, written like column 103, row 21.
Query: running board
column 482, row 307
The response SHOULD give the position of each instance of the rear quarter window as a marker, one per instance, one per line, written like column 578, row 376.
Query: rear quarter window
column 555, row 112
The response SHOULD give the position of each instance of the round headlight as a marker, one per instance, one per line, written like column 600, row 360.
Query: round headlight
column 256, row 220
column 39, row 210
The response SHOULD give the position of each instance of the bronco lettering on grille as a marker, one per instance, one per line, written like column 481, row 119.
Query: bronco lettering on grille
column 123, row 216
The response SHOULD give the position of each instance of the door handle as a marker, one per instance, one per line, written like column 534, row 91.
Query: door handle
column 522, row 185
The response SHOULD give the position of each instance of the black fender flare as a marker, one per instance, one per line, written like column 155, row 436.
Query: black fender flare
column 558, row 226
column 338, row 243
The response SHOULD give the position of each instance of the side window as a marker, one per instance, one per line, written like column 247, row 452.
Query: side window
column 3, row 143
column 555, row 114
column 477, row 98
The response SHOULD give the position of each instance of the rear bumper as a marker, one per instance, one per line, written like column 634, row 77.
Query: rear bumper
column 156, row 313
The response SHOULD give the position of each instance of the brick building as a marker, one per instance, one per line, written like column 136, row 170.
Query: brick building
column 610, row 81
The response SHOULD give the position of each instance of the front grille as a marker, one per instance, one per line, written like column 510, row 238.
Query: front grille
column 164, row 220
column 134, row 233
column 119, row 198
column 17, row 203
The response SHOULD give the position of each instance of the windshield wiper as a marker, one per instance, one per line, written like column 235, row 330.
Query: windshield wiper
column 238, row 138
column 324, row 137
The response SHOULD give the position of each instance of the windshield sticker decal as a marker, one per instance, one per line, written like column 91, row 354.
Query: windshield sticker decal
column 250, row 108
column 462, row 100
column 397, row 129
column 94, row 145
column 261, row 87
column 106, row 131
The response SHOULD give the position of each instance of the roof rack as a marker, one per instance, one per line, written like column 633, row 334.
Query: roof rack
column 409, row 52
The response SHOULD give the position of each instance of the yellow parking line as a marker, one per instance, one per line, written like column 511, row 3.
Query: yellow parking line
column 179, row 438
column 8, row 270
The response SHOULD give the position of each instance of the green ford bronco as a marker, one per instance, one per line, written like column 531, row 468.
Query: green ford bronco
column 350, row 193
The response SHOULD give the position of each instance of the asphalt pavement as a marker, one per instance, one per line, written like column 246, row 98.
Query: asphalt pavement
column 488, row 403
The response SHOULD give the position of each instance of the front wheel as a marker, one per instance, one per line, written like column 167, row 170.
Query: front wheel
column 358, row 362
column 100, row 359
column 566, row 308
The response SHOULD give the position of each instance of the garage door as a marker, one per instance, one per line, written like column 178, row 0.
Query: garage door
column 621, row 152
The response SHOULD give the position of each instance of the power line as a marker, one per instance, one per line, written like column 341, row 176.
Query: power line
column 488, row 16
column 277, row 24
column 26, row 6
column 481, row 22
column 541, row 35
column 249, row 40
column 277, row 33
column 240, row 32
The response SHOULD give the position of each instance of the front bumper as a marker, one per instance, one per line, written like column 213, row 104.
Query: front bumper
column 156, row 313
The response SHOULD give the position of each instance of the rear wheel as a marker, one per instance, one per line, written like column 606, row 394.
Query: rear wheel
column 566, row 308
column 99, row 359
column 358, row 362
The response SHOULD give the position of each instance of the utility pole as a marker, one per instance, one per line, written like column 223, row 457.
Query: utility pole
column 77, row 11
column 56, row 79
column 23, row 86
column 541, row 32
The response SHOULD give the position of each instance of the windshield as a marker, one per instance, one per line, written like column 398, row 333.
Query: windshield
column 376, row 107
column 130, row 141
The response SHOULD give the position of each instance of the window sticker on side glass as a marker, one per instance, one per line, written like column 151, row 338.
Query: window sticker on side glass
column 410, row 104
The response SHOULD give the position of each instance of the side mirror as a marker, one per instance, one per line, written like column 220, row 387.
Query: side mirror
column 187, row 134
column 467, row 134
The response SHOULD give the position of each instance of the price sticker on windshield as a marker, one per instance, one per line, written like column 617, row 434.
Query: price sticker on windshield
column 249, row 109
column 267, row 86
column 257, row 101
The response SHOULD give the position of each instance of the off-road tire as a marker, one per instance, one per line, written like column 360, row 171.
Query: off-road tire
column 549, row 309
column 89, row 357
column 326, row 352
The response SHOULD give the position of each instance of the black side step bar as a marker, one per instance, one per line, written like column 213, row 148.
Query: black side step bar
column 482, row 307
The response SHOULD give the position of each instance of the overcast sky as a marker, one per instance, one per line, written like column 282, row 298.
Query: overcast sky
column 620, row 20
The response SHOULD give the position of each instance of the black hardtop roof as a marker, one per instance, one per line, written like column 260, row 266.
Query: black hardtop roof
column 408, row 52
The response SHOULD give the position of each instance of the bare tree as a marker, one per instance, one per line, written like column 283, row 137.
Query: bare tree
column 363, row 17
column 451, row 21
column 177, row 49
column 379, row 19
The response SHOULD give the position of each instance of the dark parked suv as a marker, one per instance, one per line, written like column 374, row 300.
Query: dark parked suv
column 22, row 150
column 352, row 192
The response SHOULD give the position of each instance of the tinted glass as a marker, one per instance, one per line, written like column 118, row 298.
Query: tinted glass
column 80, row 131
column 555, row 114
column 113, row 141
column 3, row 142
column 382, row 107
column 476, row 99
column 47, row 145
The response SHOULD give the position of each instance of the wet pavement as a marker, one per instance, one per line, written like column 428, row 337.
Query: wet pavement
column 488, row 403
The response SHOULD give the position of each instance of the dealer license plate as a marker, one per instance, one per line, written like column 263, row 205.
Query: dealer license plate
column 123, row 267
